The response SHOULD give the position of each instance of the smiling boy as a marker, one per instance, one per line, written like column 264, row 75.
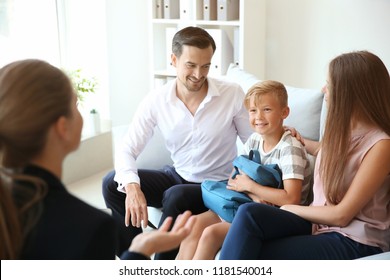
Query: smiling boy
column 267, row 104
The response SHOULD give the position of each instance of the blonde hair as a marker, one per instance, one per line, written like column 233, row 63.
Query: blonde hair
column 267, row 87
column 33, row 95
column 359, row 91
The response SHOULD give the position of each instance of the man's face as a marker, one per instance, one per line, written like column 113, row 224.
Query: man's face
column 193, row 66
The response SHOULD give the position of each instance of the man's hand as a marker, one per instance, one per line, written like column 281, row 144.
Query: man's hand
column 136, row 206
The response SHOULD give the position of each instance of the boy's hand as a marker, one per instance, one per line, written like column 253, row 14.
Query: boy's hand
column 240, row 183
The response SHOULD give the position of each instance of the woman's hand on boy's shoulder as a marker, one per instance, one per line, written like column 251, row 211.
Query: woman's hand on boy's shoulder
column 295, row 134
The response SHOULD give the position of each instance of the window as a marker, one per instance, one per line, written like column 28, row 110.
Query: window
column 82, row 30
column 70, row 34
column 28, row 29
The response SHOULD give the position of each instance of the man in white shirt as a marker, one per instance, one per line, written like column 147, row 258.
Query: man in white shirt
column 199, row 118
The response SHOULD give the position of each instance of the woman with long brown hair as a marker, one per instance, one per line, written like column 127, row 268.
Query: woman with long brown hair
column 39, row 126
column 350, row 215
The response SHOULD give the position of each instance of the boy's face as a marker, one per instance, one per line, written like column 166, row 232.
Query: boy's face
column 266, row 117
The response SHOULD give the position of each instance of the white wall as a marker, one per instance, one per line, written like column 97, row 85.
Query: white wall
column 127, row 36
column 302, row 36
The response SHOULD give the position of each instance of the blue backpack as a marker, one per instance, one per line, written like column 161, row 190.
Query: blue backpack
column 225, row 202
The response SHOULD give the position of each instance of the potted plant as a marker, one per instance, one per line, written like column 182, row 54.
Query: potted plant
column 94, row 119
column 84, row 87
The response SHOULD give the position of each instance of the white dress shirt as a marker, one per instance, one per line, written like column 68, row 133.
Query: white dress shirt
column 202, row 146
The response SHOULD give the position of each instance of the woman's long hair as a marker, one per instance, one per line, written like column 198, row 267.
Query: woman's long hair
column 359, row 92
column 33, row 95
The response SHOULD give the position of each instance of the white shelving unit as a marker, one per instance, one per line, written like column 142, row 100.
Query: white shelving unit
column 239, row 40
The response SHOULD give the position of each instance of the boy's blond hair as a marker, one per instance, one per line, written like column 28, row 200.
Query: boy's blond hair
column 267, row 87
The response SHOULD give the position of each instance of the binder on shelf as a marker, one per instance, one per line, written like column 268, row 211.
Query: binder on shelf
column 191, row 9
column 210, row 9
column 169, row 33
column 228, row 9
column 185, row 10
column 223, row 55
column 236, row 45
column 159, row 8
column 171, row 9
